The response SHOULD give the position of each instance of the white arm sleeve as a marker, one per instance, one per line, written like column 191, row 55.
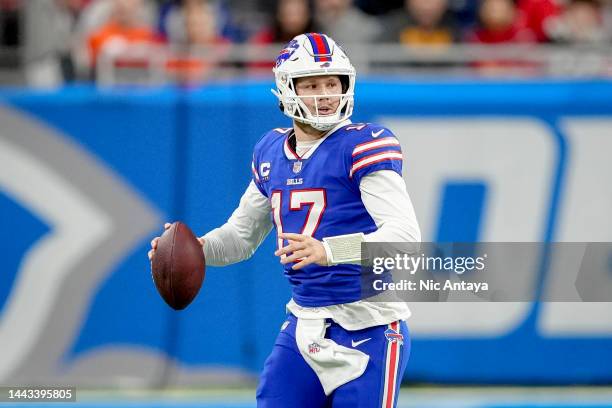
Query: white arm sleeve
column 385, row 198
column 239, row 237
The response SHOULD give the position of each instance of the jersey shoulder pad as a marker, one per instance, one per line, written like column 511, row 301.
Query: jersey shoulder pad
column 364, row 137
column 371, row 147
column 358, row 133
column 271, row 137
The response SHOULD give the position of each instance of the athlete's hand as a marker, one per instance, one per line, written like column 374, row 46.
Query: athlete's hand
column 304, row 248
column 156, row 240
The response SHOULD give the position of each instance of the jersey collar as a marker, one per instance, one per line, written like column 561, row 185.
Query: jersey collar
column 292, row 155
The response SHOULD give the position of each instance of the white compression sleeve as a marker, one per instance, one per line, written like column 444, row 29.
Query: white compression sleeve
column 239, row 237
column 385, row 198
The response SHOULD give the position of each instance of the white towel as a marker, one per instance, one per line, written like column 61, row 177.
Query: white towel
column 334, row 364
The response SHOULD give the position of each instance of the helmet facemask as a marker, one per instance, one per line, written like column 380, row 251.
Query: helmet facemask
column 294, row 105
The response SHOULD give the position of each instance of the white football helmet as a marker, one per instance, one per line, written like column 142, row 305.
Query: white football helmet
column 313, row 54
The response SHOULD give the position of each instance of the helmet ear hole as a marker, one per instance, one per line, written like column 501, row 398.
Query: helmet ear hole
column 344, row 81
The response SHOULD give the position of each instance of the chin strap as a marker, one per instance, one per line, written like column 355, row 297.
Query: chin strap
column 323, row 128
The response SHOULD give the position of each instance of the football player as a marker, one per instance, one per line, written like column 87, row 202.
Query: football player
column 325, row 185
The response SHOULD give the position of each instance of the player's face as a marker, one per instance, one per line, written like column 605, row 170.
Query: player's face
column 321, row 86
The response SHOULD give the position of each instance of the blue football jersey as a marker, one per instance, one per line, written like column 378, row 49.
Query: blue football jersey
column 319, row 196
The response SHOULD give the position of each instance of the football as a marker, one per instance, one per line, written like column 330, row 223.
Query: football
column 178, row 266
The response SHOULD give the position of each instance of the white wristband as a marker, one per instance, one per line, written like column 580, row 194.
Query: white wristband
column 343, row 249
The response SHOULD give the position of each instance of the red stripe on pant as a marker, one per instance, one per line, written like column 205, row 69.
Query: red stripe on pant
column 392, row 368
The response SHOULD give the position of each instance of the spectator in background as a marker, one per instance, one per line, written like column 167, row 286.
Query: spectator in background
column 377, row 7
column 173, row 21
column 49, row 31
column 9, row 22
column 171, row 24
column 291, row 18
column 191, row 61
column 201, row 26
column 339, row 19
column 92, row 18
column 465, row 13
column 422, row 22
column 126, row 26
column 499, row 24
column 534, row 14
column 580, row 23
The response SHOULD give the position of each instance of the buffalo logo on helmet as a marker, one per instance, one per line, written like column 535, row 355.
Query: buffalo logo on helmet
column 287, row 52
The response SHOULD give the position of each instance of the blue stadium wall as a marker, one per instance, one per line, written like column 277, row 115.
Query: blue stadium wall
column 109, row 164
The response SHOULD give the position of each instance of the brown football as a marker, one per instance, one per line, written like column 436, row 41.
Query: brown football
column 178, row 266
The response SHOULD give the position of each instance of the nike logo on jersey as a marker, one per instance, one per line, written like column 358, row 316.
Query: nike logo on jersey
column 376, row 134
column 356, row 343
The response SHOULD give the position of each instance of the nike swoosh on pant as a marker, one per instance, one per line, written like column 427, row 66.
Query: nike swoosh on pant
column 357, row 343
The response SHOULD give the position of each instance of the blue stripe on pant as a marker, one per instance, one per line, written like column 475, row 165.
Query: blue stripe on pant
column 287, row 381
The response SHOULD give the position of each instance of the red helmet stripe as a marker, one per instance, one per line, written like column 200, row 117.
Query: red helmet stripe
column 320, row 47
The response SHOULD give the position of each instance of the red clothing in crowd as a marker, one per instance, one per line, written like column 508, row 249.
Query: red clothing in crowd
column 113, row 31
column 512, row 34
column 534, row 13
column 264, row 37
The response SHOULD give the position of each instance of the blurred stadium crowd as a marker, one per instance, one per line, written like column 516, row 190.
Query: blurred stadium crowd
column 50, row 42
